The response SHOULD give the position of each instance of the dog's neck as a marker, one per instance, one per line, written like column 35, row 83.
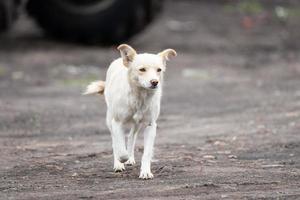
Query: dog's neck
column 140, row 101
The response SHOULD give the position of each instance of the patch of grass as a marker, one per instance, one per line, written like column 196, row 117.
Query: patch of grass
column 3, row 71
column 293, row 12
column 78, row 82
column 250, row 7
column 285, row 13
column 229, row 8
column 247, row 7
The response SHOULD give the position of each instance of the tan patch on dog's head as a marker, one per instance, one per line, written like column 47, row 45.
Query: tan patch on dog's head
column 127, row 53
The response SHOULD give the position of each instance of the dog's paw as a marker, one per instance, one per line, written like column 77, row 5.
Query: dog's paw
column 130, row 161
column 146, row 175
column 119, row 167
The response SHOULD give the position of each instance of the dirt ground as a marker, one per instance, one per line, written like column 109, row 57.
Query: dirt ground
column 230, row 120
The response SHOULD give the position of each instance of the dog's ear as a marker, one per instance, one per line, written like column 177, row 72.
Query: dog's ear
column 127, row 53
column 165, row 55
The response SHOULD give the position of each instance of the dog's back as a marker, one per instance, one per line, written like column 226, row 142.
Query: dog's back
column 116, row 87
column 115, row 79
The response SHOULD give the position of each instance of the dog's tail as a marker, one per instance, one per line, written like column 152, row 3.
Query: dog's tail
column 96, row 87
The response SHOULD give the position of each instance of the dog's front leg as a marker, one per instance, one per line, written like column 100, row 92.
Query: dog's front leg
column 149, row 137
column 119, row 148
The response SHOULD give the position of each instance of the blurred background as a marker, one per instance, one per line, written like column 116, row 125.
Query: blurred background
column 230, row 116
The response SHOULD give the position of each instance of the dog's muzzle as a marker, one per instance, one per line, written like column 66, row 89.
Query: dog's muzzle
column 154, row 83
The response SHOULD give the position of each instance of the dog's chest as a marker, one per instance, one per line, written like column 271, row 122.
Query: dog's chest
column 139, row 109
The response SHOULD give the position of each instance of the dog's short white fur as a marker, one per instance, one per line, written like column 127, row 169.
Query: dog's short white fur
column 132, row 91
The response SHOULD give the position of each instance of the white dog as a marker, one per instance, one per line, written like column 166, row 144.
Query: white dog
column 132, row 92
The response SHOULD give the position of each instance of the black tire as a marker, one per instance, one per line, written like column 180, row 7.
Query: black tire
column 8, row 13
column 106, row 21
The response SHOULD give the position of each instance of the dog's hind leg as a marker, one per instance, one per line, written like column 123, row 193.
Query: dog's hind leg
column 118, row 166
column 118, row 140
column 131, row 143
column 149, row 137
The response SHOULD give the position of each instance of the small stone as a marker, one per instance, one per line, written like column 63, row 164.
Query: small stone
column 219, row 143
column 74, row 174
column 272, row 166
column 232, row 156
column 59, row 168
column 17, row 75
column 91, row 155
column 209, row 157
column 199, row 149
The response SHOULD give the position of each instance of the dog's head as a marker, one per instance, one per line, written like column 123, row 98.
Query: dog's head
column 145, row 70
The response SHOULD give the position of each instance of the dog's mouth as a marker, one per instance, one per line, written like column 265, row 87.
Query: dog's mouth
column 153, row 87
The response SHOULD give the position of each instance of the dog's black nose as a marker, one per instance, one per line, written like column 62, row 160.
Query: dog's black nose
column 154, row 82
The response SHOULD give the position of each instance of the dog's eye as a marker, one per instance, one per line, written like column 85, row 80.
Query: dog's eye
column 159, row 70
column 142, row 69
